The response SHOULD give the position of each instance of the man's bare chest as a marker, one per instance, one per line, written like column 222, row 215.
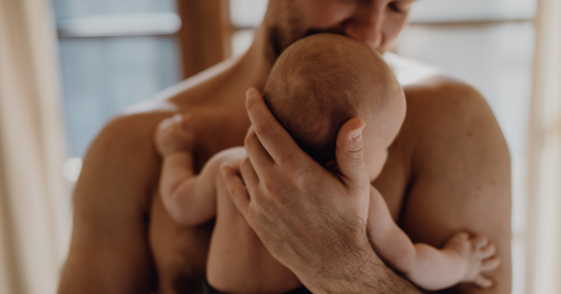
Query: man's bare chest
column 180, row 253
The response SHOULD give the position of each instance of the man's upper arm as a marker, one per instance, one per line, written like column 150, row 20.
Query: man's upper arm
column 109, row 250
column 460, row 174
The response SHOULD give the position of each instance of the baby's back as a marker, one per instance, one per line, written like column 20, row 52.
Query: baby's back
column 238, row 262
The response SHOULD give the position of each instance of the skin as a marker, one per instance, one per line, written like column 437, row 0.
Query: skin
column 448, row 170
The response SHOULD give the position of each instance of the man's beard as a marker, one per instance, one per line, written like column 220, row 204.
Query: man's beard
column 289, row 27
column 283, row 38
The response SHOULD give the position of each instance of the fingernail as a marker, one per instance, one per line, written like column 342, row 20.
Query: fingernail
column 250, row 92
column 356, row 133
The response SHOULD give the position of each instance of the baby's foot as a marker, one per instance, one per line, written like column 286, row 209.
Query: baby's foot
column 478, row 255
column 174, row 134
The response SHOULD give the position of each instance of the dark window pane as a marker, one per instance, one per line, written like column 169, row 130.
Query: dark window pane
column 101, row 76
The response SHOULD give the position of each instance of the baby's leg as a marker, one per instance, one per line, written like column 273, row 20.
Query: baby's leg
column 461, row 260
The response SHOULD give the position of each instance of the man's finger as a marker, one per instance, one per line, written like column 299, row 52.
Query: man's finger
column 249, row 175
column 237, row 190
column 274, row 138
column 260, row 159
column 349, row 156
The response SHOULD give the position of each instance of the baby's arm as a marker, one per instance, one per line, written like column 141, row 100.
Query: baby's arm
column 189, row 199
column 462, row 259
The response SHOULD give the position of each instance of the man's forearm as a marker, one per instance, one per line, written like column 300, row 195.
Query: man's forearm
column 373, row 276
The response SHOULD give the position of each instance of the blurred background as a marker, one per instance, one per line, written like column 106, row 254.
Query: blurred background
column 68, row 66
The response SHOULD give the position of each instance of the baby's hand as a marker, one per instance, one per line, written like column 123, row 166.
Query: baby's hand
column 477, row 254
column 174, row 134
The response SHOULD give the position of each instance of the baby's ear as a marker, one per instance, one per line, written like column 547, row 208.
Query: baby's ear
column 331, row 165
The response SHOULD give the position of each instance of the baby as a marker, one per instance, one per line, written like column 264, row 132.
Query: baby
column 316, row 85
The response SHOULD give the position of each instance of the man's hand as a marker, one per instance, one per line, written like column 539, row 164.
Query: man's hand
column 311, row 220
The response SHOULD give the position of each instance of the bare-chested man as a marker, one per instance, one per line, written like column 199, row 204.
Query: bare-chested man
column 448, row 170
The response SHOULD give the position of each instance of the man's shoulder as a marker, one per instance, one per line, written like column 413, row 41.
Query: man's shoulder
column 444, row 102
column 442, row 89
column 136, row 124
column 446, row 116
column 126, row 143
column 428, row 89
column 131, row 130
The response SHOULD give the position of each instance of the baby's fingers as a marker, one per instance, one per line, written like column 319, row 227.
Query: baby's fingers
column 483, row 282
column 490, row 264
column 179, row 126
column 184, row 120
column 480, row 241
column 488, row 251
column 165, row 123
column 175, row 122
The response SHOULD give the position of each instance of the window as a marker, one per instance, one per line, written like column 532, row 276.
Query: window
column 113, row 54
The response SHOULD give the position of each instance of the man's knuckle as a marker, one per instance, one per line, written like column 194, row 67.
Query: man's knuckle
column 270, row 187
column 355, row 154
column 301, row 179
column 262, row 128
column 286, row 158
column 257, row 201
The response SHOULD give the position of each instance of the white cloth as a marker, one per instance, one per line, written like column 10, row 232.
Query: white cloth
column 544, row 172
column 34, row 204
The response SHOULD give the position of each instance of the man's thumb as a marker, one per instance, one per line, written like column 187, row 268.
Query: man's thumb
column 349, row 155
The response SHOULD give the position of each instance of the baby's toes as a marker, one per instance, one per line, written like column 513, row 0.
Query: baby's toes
column 483, row 282
column 490, row 264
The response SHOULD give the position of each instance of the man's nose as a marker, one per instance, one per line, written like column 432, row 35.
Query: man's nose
column 366, row 24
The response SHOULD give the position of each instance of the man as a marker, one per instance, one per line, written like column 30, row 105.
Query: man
column 448, row 170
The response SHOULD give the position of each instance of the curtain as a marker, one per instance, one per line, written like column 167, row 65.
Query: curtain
column 34, row 203
column 544, row 178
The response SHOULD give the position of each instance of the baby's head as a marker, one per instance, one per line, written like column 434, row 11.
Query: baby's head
column 322, row 81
